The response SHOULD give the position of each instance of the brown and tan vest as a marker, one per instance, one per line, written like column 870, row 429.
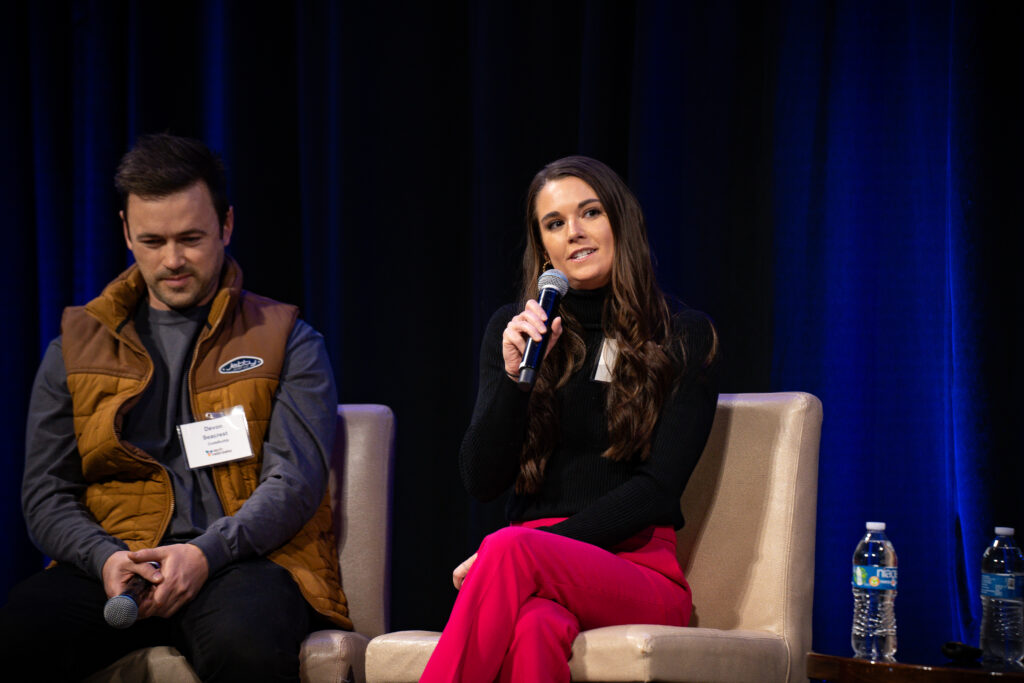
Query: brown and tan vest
column 129, row 493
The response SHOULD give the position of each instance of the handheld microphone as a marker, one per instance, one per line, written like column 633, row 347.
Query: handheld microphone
column 552, row 286
column 122, row 610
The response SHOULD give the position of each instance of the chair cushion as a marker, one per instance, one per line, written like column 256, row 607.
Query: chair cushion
column 148, row 665
column 618, row 653
column 399, row 657
column 329, row 655
column 673, row 654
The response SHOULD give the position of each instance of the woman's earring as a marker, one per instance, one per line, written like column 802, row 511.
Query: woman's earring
column 546, row 265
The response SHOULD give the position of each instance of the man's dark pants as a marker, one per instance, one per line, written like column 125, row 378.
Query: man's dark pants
column 247, row 623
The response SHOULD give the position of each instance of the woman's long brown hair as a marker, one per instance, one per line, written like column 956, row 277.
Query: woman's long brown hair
column 635, row 315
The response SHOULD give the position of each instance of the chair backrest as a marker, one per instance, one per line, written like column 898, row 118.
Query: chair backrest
column 360, row 484
column 748, row 544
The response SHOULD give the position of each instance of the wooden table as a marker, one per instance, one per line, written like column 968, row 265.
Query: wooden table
column 849, row 670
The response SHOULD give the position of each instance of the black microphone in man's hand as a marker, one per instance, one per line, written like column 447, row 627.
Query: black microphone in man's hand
column 552, row 286
column 122, row 610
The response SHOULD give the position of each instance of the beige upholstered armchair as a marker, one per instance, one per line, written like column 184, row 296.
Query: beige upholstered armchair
column 360, row 485
column 747, row 550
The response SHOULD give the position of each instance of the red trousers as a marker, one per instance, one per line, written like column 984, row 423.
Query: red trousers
column 530, row 592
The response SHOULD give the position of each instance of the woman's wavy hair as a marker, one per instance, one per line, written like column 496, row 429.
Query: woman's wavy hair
column 635, row 315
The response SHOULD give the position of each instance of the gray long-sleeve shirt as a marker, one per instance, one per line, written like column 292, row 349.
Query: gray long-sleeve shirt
column 292, row 480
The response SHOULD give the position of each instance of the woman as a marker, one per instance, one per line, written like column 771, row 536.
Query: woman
column 598, row 452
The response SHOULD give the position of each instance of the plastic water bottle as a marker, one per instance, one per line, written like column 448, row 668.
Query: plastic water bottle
column 1002, row 616
column 873, row 635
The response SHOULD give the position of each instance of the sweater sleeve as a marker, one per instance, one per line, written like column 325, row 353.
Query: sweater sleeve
column 295, row 458
column 53, row 485
column 489, row 457
column 653, row 491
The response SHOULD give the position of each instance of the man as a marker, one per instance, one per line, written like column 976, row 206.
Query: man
column 240, row 554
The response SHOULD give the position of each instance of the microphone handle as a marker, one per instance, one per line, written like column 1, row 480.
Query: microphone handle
column 136, row 587
column 534, row 353
column 122, row 610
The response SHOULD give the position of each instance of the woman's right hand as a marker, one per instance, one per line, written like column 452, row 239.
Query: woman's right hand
column 531, row 323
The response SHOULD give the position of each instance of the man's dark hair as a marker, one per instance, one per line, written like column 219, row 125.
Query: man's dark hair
column 160, row 165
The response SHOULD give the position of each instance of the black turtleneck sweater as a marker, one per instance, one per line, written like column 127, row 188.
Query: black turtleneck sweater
column 605, row 502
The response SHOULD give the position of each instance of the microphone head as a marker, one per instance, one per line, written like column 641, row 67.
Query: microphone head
column 121, row 611
column 553, row 279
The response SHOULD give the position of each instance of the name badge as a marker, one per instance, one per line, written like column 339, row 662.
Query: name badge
column 606, row 363
column 221, row 438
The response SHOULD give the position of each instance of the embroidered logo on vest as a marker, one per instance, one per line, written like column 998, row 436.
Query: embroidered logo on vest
column 240, row 364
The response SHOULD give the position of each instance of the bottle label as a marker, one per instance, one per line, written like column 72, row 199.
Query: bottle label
column 874, row 578
column 1002, row 586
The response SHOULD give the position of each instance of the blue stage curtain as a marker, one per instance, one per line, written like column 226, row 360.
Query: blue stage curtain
column 895, row 137
column 835, row 183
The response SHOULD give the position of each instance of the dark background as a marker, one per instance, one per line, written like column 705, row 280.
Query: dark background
column 836, row 183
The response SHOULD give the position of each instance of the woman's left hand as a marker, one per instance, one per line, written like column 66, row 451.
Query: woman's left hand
column 459, row 575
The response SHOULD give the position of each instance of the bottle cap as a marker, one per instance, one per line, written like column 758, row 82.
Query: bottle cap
column 1004, row 531
column 875, row 526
